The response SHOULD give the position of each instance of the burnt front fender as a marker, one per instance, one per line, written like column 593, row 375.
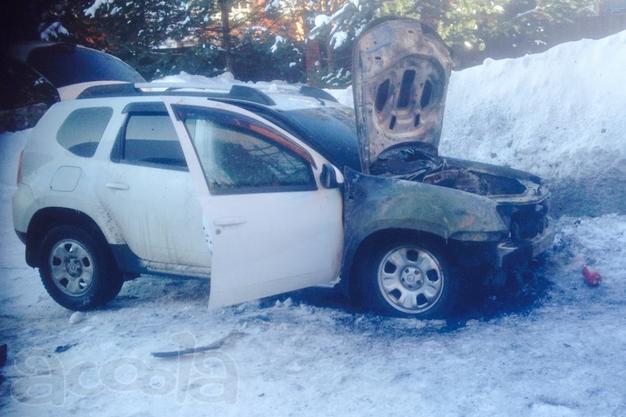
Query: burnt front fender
column 373, row 204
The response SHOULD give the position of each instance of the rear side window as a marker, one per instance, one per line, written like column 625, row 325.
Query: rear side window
column 81, row 132
column 150, row 139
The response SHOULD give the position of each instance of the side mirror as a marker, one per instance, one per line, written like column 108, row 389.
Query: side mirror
column 328, row 177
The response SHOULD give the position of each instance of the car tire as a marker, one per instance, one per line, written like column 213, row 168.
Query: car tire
column 78, row 270
column 407, row 279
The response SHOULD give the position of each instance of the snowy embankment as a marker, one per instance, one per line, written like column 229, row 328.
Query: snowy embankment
column 559, row 114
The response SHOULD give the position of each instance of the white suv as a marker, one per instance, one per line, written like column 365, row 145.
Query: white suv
column 122, row 190
column 268, row 192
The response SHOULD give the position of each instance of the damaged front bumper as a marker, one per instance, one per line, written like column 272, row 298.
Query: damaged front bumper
column 511, row 254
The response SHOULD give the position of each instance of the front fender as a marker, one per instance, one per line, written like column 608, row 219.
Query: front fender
column 373, row 204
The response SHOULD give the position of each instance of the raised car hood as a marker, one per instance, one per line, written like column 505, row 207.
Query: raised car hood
column 400, row 75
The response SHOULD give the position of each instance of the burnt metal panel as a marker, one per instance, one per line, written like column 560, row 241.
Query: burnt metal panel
column 401, row 70
column 376, row 203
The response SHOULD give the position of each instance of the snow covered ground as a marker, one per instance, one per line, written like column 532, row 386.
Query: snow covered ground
column 559, row 351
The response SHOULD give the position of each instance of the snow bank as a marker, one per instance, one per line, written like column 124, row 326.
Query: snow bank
column 344, row 96
column 554, row 113
column 557, row 114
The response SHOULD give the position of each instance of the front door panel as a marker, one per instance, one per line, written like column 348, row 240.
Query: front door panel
column 270, row 226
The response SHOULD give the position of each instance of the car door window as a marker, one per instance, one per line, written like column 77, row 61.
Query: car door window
column 240, row 155
column 150, row 139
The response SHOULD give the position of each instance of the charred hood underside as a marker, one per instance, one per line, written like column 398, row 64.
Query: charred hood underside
column 401, row 70
column 418, row 164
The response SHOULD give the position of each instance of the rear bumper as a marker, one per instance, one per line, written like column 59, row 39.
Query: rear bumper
column 510, row 254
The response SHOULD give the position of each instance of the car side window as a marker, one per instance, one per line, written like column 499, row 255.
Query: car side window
column 150, row 139
column 240, row 155
column 81, row 132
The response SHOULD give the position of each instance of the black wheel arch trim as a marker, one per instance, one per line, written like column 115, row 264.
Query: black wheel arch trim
column 45, row 219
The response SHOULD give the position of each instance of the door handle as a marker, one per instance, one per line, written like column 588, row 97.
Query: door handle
column 117, row 186
column 229, row 221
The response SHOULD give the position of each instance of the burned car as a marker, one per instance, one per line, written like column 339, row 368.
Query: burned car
column 267, row 191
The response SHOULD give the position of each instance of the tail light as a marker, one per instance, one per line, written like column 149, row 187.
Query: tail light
column 20, row 168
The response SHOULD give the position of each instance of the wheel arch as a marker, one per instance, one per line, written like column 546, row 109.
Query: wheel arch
column 46, row 218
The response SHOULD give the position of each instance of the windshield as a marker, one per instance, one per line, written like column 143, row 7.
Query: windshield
column 331, row 131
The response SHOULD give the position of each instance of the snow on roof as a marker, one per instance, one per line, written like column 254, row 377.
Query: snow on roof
column 287, row 96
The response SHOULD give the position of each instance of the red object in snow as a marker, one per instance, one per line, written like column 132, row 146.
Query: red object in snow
column 592, row 278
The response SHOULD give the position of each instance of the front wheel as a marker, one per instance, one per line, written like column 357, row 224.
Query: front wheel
column 407, row 279
column 77, row 270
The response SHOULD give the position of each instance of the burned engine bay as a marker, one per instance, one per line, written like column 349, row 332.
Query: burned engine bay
column 419, row 163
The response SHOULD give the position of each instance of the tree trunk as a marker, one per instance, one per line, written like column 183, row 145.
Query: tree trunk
column 312, row 54
column 225, row 16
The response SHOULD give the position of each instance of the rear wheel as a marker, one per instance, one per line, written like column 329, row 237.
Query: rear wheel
column 77, row 269
column 407, row 279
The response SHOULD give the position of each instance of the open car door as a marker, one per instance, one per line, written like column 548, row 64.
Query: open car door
column 271, row 226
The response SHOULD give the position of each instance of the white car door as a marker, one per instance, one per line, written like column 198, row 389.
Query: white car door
column 148, row 191
column 271, row 226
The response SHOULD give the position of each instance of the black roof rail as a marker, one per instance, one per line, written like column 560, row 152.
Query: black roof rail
column 237, row 91
column 240, row 92
column 315, row 92
column 109, row 90
column 244, row 92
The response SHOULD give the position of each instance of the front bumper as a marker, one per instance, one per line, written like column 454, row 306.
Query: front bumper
column 510, row 254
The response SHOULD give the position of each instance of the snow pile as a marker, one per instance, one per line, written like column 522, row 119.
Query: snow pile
column 556, row 114
column 345, row 96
